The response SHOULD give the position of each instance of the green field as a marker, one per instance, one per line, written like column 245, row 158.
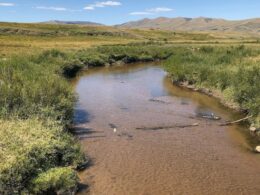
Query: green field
column 38, row 153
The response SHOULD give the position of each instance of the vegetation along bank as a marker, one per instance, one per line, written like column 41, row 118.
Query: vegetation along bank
column 230, row 73
column 39, row 154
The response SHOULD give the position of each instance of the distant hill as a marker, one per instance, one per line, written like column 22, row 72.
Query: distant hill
column 73, row 22
column 196, row 24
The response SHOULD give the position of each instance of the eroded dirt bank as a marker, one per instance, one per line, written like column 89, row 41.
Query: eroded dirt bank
column 204, row 159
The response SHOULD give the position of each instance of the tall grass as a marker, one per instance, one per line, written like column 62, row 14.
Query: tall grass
column 36, row 109
column 37, row 151
column 36, row 102
column 30, row 148
column 233, row 70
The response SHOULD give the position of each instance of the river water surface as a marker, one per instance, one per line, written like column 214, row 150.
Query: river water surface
column 116, row 103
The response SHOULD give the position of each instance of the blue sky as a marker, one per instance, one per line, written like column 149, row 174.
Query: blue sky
column 119, row 11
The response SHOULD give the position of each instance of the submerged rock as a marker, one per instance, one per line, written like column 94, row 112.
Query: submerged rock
column 126, row 135
column 111, row 125
column 210, row 116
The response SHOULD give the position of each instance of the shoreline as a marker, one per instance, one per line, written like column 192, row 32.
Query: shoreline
column 254, row 131
column 115, row 136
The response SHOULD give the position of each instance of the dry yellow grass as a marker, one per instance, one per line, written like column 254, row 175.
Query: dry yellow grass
column 27, row 38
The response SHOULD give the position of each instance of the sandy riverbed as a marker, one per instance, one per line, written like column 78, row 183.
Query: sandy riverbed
column 205, row 159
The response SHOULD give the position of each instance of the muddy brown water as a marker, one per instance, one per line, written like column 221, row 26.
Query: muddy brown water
column 204, row 159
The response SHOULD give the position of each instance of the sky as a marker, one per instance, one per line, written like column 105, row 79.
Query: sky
column 119, row 11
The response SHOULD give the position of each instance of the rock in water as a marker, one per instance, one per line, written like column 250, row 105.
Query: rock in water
column 257, row 149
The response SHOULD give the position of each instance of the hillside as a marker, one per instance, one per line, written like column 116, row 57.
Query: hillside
column 87, row 23
column 196, row 24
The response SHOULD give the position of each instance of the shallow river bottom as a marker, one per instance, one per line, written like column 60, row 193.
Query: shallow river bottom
column 203, row 159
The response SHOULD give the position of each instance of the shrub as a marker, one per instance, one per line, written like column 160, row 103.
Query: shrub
column 207, row 49
column 62, row 180
column 31, row 147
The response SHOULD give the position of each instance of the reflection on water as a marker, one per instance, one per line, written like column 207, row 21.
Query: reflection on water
column 153, row 82
column 81, row 116
column 207, row 105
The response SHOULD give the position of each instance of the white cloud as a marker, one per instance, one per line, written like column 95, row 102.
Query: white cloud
column 103, row 4
column 108, row 3
column 7, row 4
column 160, row 9
column 89, row 8
column 140, row 13
column 152, row 11
column 52, row 8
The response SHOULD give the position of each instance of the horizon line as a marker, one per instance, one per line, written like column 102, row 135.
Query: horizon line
column 151, row 18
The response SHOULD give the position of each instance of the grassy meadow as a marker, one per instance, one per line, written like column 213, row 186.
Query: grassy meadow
column 38, row 153
column 18, row 38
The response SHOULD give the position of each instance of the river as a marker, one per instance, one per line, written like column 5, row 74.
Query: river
column 120, row 118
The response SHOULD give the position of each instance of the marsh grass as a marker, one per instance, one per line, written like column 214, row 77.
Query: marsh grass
column 229, row 69
column 32, row 147
column 36, row 99
column 36, row 109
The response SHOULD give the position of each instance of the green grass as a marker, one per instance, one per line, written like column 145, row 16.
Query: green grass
column 63, row 180
column 18, row 38
column 232, row 70
column 36, row 110
column 30, row 148
column 38, row 152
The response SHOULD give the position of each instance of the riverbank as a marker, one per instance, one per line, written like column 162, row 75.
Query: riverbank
column 37, row 107
column 254, row 131
column 143, row 134
column 36, row 97
column 230, row 74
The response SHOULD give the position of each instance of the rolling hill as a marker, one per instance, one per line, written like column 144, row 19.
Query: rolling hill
column 196, row 24
column 87, row 23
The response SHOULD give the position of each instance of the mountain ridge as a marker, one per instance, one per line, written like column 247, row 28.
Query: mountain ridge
column 195, row 24
column 72, row 22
